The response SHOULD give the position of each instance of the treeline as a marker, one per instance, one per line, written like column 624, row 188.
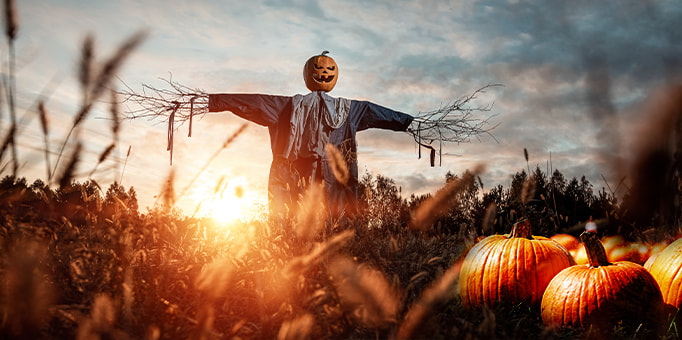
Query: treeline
column 552, row 203
column 84, row 204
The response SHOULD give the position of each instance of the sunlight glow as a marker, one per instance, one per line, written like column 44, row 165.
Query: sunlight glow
column 229, row 202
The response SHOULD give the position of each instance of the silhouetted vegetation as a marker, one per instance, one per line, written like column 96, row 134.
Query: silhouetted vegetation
column 80, row 262
column 99, row 267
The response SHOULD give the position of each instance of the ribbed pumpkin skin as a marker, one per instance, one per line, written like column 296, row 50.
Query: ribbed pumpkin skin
column 502, row 270
column 667, row 270
column 583, row 296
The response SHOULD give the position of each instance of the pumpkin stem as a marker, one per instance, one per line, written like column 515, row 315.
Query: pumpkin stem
column 521, row 229
column 594, row 249
column 324, row 53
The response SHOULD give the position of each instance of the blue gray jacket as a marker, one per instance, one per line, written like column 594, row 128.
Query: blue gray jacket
column 300, row 127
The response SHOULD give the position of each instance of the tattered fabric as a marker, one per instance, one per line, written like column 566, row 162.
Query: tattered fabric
column 300, row 127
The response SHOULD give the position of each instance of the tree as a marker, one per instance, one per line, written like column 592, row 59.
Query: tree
column 119, row 202
column 380, row 202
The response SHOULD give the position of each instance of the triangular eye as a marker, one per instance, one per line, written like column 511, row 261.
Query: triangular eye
column 331, row 68
column 317, row 67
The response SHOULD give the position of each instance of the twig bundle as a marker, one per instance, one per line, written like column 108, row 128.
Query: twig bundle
column 453, row 123
column 153, row 103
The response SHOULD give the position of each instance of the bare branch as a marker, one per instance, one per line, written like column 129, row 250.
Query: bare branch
column 454, row 122
column 157, row 103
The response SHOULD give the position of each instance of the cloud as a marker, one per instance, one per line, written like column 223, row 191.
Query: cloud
column 408, row 56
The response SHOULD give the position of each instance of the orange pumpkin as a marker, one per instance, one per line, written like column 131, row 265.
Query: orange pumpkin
column 569, row 241
column 612, row 242
column 627, row 252
column 600, row 294
column 667, row 270
column 510, row 269
column 655, row 250
column 650, row 261
column 320, row 73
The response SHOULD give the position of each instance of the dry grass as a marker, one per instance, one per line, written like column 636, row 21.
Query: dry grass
column 442, row 201
column 79, row 265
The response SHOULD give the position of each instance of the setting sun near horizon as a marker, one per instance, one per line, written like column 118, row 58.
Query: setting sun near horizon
column 229, row 201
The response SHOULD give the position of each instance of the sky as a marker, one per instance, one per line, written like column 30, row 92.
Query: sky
column 577, row 77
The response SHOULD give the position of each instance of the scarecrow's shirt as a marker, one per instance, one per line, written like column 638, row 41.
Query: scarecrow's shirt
column 300, row 127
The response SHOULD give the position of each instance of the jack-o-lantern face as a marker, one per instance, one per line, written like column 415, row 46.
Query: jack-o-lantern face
column 320, row 73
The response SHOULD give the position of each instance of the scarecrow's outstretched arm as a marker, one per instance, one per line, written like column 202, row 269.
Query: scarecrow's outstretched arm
column 261, row 109
column 454, row 123
column 374, row 116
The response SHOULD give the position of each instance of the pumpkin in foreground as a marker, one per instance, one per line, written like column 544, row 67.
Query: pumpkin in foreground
column 600, row 294
column 666, row 268
column 510, row 269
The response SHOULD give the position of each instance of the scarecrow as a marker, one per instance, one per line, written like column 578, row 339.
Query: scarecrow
column 302, row 126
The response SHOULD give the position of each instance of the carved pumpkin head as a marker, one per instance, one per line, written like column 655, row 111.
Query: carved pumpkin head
column 320, row 73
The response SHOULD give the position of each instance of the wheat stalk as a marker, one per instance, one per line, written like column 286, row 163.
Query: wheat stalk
column 337, row 163
column 227, row 142
column 437, row 205
column 310, row 216
column 85, row 70
column 11, row 28
column 440, row 291
column 102, row 157
column 365, row 290
column 125, row 163
column 70, row 168
column 92, row 93
column 168, row 191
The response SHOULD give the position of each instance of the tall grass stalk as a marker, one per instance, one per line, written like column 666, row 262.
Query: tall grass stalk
column 44, row 125
column 69, row 171
column 227, row 142
column 338, row 164
column 130, row 147
column 11, row 28
column 436, row 206
column 440, row 291
column 93, row 90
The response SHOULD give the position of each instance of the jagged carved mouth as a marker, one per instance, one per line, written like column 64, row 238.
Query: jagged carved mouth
column 323, row 78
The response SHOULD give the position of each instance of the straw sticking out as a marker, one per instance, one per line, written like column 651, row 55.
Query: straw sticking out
column 337, row 163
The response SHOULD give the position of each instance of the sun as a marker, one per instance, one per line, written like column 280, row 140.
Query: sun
column 226, row 209
column 229, row 202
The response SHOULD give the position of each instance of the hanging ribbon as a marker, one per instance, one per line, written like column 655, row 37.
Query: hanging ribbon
column 171, row 123
column 419, row 128
column 432, row 155
column 440, row 153
column 191, row 113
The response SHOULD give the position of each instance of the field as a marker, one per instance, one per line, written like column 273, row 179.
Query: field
column 81, row 261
